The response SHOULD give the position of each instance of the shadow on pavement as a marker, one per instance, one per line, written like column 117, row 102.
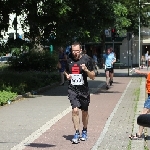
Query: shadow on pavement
column 105, row 91
column 116, row 74
column 63, row 90
column 68, row 137
column 40, row 145
column 4, row 142
column 117, row 83
column 93, row 84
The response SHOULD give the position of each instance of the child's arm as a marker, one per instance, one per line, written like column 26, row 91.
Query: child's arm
column 141, row 72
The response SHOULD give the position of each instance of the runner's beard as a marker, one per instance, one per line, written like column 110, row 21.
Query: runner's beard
column 76, row 56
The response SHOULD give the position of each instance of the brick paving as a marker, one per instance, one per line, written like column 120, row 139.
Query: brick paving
column 60, row 134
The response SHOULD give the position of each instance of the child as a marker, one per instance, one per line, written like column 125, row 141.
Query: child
column 142, row 62
column 146, row 108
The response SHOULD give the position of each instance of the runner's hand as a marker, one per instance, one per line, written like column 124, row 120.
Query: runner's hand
column 137, row 71
column 68, row 76
column 84, row 67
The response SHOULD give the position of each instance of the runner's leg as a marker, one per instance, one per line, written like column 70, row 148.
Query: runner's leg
column 75, row 118
column 144, row 111
column 76, row 122
column 85, row 118
column 107, row 77
column 111, row 74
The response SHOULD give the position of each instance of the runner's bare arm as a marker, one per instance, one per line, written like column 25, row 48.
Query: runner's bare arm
column 68, row 76
column 91, row 74
column 114, row 60
column 141, row 72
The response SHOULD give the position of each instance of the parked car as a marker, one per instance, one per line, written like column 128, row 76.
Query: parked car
column 5, row 59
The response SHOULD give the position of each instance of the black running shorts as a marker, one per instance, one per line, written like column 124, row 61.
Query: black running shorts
column 79, row 96
column 111, row 70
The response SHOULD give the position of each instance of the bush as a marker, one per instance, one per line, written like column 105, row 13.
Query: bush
column 27, row 72
column 39, row 61
column 22, row 82
column 5, row 96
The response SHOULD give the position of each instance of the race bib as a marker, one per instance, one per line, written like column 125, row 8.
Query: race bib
column 77, row 79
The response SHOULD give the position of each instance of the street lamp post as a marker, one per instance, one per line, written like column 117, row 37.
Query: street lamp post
column 139, row 37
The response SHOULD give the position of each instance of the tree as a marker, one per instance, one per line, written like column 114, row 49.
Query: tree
column 134, row 11
column 60, row 21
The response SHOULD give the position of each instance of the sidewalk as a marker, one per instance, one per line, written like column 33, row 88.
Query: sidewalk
column 44, row 122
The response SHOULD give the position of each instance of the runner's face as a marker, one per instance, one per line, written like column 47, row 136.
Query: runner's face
column 76, row 51
column 108, row 51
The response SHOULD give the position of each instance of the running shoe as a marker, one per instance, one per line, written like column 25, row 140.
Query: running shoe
column 107, row 87
column 76, row 138
column 110, row 82
column 84, row 135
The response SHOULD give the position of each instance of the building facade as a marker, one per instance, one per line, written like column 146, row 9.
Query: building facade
column 128, row 52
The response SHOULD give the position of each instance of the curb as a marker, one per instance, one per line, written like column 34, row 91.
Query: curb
column 138, row 144
column 39, row 91
column 33, row 93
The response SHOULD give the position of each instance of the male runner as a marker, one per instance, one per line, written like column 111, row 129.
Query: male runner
column 79, row 68
column 109, row 60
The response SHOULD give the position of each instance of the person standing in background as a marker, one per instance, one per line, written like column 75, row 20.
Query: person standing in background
column 84, row 53
column 62, row 60
column 146, row 58
column 95, row 62
column 142, row 62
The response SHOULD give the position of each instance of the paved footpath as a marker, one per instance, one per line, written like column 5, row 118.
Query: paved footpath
column 44, row 122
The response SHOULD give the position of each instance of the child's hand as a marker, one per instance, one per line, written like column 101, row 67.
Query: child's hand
column 137, row 71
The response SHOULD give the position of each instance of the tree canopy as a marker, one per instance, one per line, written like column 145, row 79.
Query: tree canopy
column 60, row 21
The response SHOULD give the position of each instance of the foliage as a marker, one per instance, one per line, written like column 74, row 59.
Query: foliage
column 14, row 47
column 33, row 60
column 121, row 20
column 14, row 83
column 134, row 11
column 64, row 19
column 26, row 82
column 22, row 82
column 61, row 21
column 5, row 96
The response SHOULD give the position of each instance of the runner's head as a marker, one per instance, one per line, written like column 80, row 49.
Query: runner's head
column 108, row 51
column 111, row 49
column 76, row 50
